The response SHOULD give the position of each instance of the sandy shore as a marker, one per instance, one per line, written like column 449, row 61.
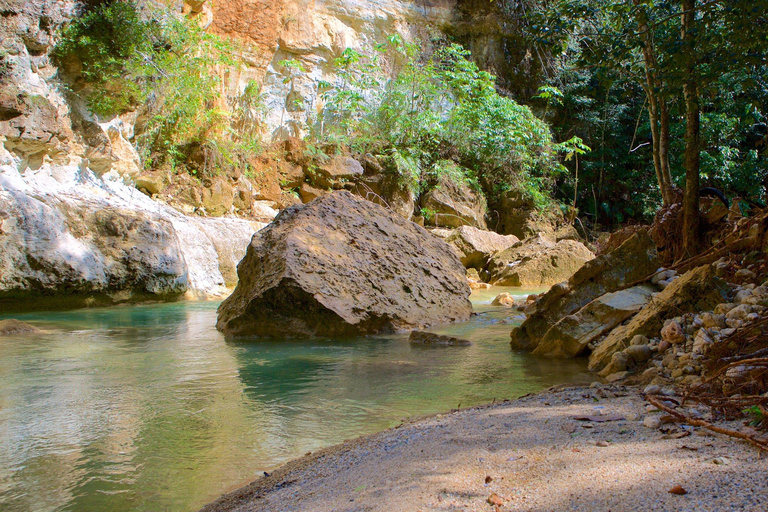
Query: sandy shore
column 531, row 454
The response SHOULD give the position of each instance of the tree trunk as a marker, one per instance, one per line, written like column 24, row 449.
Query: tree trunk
column 657, row 110
column 691, row 95
column 664, row 147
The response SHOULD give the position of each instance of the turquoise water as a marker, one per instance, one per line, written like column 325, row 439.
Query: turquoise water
column 149, row 408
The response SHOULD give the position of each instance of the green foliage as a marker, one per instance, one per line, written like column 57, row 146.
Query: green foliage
column 121, row 59
column 600, row 69
column 5, row 67
column 432, row 110
column 104, row 43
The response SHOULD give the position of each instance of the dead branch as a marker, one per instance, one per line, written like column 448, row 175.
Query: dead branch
column 656, row 402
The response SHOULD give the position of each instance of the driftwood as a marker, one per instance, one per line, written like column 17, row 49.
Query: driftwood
column 656, row 401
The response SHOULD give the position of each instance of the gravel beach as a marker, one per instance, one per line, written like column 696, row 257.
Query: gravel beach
column 530, row 454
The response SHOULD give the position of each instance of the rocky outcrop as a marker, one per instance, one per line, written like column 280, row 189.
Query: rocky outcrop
column 339, row 266
column 70, row 234
column 477, row 246
column 632, row 261
column 538, row 261
column 571, row 335
column 451, row 204
column 696, row 290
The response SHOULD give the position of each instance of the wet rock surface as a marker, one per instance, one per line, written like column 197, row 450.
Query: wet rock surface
column 340, row 266
column 432, row 339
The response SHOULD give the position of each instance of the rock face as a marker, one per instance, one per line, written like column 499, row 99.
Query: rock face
column 633, row 260
column 339, row 266
column 454, row 204
column 477, row 246
column 570, row 336
column 538, row 261
column 97, row 241
column 386, row 189
column 696, row 290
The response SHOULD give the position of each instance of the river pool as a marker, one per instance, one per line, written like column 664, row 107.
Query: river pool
column 149, row 408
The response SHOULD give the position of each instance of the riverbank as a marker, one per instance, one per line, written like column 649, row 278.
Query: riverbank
column 527, row 454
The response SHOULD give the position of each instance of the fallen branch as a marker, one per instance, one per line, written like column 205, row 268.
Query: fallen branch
column 656, row 402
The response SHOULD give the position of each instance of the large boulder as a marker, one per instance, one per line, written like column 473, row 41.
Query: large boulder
column 538, row 261
column 452, row 204
column 632, row 261
column 571, row 336
column 477, row 246
column 340, row 266
column 696, row 290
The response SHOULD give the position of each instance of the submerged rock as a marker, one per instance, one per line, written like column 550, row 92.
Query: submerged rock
column 342, row 265
column 430, row 338
column 13, row 326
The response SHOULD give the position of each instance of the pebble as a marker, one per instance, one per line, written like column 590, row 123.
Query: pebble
column 721, row 461
column 652, row 389
column 652, row 422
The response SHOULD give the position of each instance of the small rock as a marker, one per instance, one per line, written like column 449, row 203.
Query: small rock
column 430, row 338
column 677, row 490
column 711, row 320
column 617, row 376
column 738, row 313
column 724, row 308
column 652, row 422
column 721, row 461
column 503, row 299
column 601, row 444
column 495, row 499
column 639, row 340
column 673, row 333
column 639, row 353
column 652, row 389
column 744, row 275
column 664, row 346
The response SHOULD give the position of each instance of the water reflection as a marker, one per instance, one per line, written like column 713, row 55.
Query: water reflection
column 148, row 408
